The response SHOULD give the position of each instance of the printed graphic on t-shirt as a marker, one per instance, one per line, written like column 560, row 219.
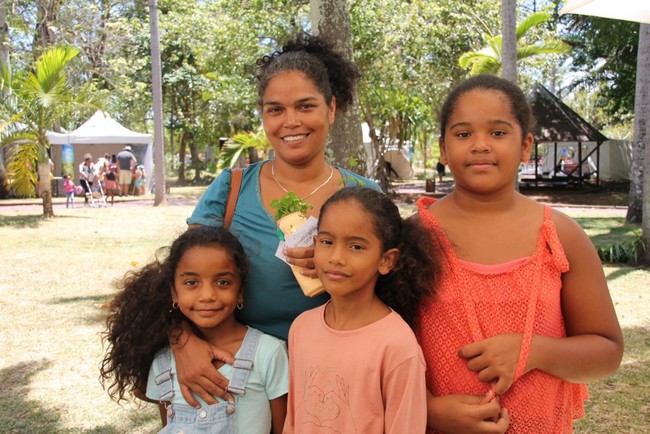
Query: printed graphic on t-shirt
column 326, row 402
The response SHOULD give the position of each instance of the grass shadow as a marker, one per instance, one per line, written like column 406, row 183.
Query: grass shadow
column 621, row 272
column 22, row 221
column 608, row 230
column 93, row 298
column 29, row 221
column 19, row 414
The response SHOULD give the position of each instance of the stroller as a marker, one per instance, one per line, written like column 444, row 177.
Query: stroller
column 96, row 197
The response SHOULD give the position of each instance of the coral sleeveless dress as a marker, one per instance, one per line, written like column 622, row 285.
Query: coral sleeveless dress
column 472, row 304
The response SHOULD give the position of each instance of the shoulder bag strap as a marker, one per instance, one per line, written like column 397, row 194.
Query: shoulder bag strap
column 233, row 194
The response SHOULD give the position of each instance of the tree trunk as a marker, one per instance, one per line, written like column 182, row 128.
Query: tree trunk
column 331, row 20
column 4, row 65
column 509, row 40
column 642, row 128
column 4, row 36
column 638, row 192
column 182, row 152
column 160, row 197
column 45, row 187
column 48, row 13
column 509, row 47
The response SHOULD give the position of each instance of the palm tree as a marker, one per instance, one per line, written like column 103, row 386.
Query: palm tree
column 489, row 60
column 233, row 148
column 36, row 103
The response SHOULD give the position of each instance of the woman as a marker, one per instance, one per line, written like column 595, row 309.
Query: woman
column 87, row 173
column 300, row 89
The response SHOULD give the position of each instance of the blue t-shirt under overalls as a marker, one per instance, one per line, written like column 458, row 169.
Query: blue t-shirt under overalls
column 214, row 419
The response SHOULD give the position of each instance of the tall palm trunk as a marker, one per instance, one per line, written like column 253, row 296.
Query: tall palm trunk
column 156, row 84
column 44, row 176
column 509, row 40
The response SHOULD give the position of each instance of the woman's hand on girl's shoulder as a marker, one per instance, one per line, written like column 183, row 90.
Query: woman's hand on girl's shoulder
column 196, row 372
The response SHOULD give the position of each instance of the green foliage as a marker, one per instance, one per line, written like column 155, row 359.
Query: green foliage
column 39, row 97
column 403, row 50
column 605, row 54
column 233, row 148
column 289, row 203
column 626, row 252
column 488, row 59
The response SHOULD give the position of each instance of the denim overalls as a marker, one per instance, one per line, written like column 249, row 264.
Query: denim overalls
column 214, row 419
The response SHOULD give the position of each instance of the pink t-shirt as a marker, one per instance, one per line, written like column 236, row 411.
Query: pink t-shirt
column 368, row 380
column 68, row 185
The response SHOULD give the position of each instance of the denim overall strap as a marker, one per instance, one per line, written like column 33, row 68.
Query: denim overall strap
column 244, row 363
column 164, row 378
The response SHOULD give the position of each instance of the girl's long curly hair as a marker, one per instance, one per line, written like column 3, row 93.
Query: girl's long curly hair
column 418, row 266
column 141, row 317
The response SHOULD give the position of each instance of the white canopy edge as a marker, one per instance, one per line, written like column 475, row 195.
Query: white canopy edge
column 627, row 10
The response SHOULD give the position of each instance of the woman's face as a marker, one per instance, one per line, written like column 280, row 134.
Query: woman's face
column 296, row 117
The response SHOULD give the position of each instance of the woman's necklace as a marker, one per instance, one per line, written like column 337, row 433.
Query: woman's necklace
column 313, row 191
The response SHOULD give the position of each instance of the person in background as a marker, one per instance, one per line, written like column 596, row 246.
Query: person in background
column 112, row 175
column 87, row 174
column 126, row 162
column 354, row 363
column 522, row 316
column 68, row 186
column 440, row 168
column 102, row 166
column 199, row 280
column 140, row 180
column 300, row 87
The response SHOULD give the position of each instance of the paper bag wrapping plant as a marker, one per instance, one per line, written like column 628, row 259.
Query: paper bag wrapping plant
column 291, row 219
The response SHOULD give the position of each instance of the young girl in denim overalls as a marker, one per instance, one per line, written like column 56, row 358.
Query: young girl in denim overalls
column 199, row 281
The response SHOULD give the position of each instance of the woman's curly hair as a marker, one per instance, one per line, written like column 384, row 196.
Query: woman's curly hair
column 141, row 318
column 331, row 72
column 417, row 268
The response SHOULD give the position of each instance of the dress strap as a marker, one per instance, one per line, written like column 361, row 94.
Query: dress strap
column 244, row 363
column 164, row 378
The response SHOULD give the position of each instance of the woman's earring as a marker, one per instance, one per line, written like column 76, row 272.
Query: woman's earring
column 240, row 305
column 174, row 306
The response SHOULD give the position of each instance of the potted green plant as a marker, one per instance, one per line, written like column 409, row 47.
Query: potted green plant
column 290, row 215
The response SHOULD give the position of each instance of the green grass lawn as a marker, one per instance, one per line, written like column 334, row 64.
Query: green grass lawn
column 56, row 278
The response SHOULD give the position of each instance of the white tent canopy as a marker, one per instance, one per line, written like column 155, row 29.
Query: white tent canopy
column 97, row 136
column 100, row 128
column 627, row 10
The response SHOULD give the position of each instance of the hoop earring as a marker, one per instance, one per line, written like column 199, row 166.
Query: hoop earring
column 174, row 306
column 240, row 305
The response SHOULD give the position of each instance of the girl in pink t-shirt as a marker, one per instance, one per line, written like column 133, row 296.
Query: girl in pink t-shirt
column 68, row 186
column 354, row 363
column 522, row 311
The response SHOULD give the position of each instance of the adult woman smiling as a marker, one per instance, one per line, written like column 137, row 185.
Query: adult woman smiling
column 300, row 89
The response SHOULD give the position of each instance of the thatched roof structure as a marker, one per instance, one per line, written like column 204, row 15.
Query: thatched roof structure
column 556, row 122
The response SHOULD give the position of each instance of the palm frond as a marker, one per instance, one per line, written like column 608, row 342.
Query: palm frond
column 548, row 47
column 531, row 21
column 21, row 166
column 233, row 148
